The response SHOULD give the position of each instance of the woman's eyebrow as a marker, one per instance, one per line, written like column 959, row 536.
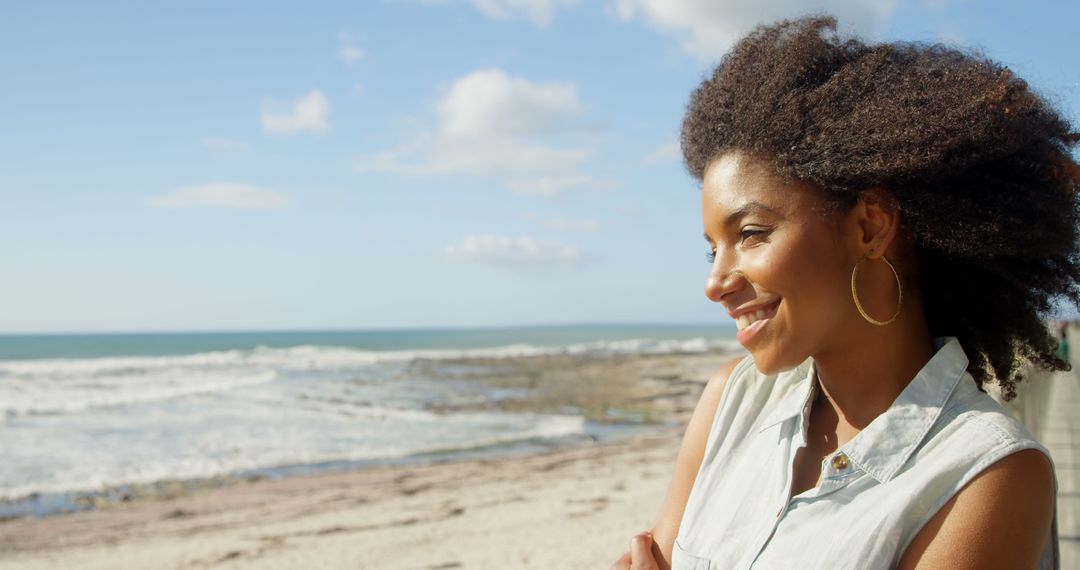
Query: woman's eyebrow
column 747, row 209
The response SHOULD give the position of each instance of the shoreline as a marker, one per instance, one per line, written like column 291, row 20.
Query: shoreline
column 616, row 395
column 480, row 512
column 44, row 505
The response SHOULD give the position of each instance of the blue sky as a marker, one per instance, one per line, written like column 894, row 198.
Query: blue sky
column 267, row 165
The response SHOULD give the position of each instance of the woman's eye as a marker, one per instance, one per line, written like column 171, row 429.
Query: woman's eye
column 747, row 234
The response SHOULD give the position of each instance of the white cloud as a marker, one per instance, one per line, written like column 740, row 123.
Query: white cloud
column 308, row 113
column 517, row 252
column 550, row 186
column 561, row 224
column 222, row 195
column 225, row 144
column 504, row 159
column 539, row 12
column 707, row 28
column 347, row 52
column 350, row 54
column 492, row 125
column 488, row 102
column 667, row 152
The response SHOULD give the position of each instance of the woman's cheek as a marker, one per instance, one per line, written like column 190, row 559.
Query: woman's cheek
column 768, row 263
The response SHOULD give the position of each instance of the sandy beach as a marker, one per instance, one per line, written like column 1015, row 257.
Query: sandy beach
column 562, row 508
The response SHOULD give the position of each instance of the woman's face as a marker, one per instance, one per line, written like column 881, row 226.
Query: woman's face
column 780, row 267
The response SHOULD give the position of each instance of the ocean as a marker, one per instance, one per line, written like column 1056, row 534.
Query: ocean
column 86, row 414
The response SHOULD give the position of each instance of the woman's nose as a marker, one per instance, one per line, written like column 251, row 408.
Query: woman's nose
column 722, row 280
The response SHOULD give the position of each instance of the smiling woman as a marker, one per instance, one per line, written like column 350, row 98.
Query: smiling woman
column 889, row 226
column 785, row 266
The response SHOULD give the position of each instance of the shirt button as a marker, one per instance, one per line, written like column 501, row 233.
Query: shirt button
column 840, row 462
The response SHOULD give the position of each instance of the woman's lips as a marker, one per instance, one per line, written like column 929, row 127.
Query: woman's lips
column 750, row 323
column 765, row 312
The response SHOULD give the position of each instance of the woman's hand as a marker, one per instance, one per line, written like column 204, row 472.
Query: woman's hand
column 643, row 555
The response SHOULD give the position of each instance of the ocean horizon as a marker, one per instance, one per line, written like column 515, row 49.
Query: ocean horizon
column 19, row 346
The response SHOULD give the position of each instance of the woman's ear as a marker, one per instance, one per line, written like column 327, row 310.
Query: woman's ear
column 876, row 218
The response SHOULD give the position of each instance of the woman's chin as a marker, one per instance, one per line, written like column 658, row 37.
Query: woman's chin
column 769, row 365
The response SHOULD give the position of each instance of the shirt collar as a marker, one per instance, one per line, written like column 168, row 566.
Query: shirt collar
column 796, row 402
column 885, row 445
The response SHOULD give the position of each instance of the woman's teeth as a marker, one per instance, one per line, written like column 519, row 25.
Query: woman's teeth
column 748, row 319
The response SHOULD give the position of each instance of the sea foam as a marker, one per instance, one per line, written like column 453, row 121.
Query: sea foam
column 85, row 424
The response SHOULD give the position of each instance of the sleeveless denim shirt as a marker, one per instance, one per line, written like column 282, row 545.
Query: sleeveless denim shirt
column 876, row 491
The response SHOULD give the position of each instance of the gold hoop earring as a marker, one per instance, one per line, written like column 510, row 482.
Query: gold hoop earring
column 858, row 305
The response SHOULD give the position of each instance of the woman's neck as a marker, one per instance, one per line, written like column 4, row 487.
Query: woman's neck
column 866, row 370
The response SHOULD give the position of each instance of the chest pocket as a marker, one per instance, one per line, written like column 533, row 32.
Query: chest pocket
column 683, row 560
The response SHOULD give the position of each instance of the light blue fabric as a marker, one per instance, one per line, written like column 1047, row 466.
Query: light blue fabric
column 939, row 434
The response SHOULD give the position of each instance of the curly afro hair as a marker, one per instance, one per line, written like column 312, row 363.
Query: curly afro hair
column 980, row 166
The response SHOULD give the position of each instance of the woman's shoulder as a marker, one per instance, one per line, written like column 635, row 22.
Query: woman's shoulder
column 974, row 422
column 976, row 459
column 1001, row 513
